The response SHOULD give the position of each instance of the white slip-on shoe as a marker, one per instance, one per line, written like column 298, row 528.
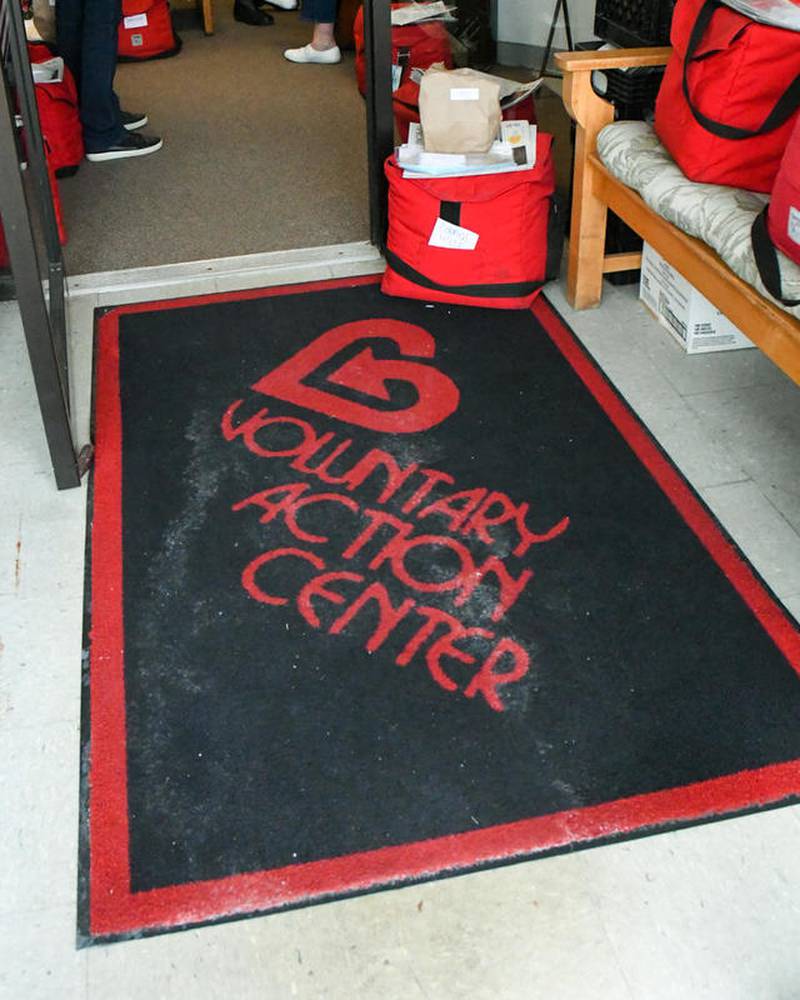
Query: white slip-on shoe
column 308, row 54
column 280, row 4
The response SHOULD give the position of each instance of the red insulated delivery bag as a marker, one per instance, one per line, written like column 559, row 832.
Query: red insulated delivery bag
column 729, row 97
column 490, row 240
column 405, row 103
column 146, row 31
column 778, row 225
column 413, row 45
column 60, row 122
column 58, row 117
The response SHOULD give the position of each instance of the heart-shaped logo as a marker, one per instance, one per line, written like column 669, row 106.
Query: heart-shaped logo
column 437, row 394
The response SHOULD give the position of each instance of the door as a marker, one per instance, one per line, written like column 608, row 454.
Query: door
column 31, row 235
column 380, row 121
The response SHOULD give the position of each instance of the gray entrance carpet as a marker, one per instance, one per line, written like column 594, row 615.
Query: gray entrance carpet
column 259, row 154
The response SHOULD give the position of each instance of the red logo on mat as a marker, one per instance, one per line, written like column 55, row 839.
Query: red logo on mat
column 437, row 395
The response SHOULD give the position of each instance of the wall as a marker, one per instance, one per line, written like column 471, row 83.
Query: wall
column 523, row 25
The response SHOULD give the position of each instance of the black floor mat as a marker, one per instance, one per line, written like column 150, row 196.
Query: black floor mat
column 382, row 591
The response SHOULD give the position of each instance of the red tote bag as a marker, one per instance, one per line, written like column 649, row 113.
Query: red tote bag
column 516, row 218
column 146, row 31
column 778, row 226
column 413, row 45
column 59, row 118
column 729, row 97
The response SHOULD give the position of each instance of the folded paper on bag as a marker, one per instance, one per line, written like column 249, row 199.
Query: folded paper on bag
column 460, row 111
column 514, row 149
column 418, row 13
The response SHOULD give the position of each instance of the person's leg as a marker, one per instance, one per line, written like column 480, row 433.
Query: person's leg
column 322, row 38
column 323, row 15
column 69, row 34
column 323, row 47
column 100, row 114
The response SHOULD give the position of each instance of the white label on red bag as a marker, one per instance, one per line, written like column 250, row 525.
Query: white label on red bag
column 397, row 75
column 135, row 21
column 794, row 224
column 465, row 94
column 452, row 237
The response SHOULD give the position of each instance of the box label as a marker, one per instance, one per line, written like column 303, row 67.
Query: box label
column 135, row 21
column 690, row 318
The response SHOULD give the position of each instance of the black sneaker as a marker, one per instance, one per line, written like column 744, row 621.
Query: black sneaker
column 247, row 12
column 131, row 121
column 134, row 144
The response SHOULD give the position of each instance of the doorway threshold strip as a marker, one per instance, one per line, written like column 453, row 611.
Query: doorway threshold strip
column 246, row 271
column 383, row 591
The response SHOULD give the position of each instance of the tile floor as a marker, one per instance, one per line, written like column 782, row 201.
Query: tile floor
column 710, row 912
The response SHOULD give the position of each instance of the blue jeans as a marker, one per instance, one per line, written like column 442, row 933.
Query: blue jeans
column 86, row 33
column 319, row 11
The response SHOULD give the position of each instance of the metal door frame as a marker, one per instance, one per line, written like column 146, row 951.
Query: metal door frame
column 46, row 329
column 22, row 151
column 380, row 118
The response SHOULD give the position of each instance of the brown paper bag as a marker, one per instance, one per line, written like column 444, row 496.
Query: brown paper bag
column 459, row 111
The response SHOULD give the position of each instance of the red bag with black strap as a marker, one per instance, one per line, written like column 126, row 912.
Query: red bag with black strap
column 59, row 118
column 729, row 97
column 777, row 227
column 413, row 45
column 57, row 104
column 405, row 103
column 490, row 240
column 146, row 31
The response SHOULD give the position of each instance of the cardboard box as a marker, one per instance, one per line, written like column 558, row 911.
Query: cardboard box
column 691, row 319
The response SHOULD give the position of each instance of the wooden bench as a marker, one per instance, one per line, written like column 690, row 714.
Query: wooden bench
column 595, row 190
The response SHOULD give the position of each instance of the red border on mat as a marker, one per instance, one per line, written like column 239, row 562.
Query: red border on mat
column 114, row 909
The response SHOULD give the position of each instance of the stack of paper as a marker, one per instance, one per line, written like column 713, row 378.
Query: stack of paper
column 414, row 13
column 514, row 149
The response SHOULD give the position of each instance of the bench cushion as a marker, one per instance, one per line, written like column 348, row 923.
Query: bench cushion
column 719, row 216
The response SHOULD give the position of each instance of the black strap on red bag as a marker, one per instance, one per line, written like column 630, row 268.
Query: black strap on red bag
column 516, row 290
column 784, row 107
column 450, row 211
column 767, row 259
